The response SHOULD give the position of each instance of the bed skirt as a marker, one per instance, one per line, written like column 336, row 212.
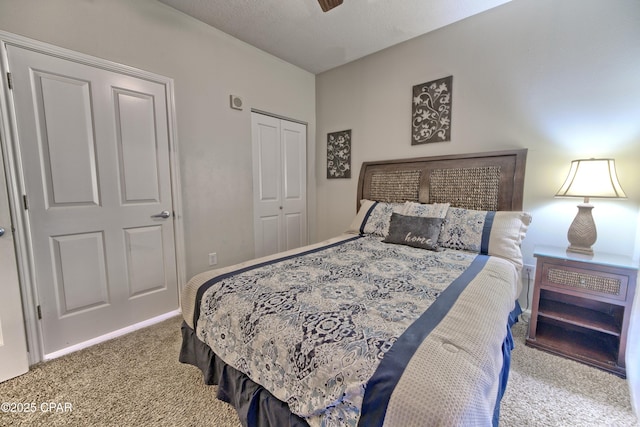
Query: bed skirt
column 257, row 407
column 254, row 404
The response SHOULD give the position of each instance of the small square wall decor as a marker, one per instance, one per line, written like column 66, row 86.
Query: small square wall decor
column 339, row 154
column 431, row 112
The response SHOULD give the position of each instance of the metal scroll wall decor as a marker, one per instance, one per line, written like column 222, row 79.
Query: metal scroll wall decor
column 339, row 154
column 431, row 112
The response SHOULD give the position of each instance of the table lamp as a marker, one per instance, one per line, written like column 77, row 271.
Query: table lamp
column 589, row 178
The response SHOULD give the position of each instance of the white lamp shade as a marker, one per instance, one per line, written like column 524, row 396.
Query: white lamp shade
column 592, row 178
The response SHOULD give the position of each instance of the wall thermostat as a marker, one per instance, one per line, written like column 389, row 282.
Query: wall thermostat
column 236, row 102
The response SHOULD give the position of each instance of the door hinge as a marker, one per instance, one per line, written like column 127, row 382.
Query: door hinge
column 24, row 202
column 39, row 313
column 9, row 80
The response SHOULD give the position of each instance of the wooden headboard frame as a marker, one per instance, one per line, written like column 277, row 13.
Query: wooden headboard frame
column 482, row 181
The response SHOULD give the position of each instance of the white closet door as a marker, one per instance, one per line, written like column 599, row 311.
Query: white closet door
column 279, row 184
column 294, row 191
column 95, row 153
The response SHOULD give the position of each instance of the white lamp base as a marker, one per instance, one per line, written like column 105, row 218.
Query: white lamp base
column 582, row 232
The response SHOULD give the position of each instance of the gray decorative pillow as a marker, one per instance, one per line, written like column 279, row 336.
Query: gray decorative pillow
column 419, row 232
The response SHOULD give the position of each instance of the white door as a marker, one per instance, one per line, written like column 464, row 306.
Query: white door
column 279, row 184
column 94, row 147
column 13, row 344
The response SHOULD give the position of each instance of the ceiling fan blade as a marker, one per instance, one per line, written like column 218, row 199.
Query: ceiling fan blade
column 327, row 5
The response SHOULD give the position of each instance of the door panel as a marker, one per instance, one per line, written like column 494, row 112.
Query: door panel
column 137, row 144
column 79, row 264
column 70, row 179
column 269, row 235
column 95, row 153
column 145, row 264
column 293, row 227
column 269, row 162
column 293, row 170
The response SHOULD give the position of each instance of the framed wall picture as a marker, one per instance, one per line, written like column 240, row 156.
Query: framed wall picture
column 339, row 154
column 431, row 111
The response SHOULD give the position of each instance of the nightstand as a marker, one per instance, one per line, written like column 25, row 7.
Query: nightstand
column 581, row 306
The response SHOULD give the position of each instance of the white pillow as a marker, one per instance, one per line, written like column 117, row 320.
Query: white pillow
column 498, row 233
column 433, row 210
column 374, row 217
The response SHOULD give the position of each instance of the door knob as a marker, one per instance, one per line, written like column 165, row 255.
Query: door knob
column 1, row 231
column 163, row 214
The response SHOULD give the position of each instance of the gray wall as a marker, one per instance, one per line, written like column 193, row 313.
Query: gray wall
column 206, row 65
column 557, row 77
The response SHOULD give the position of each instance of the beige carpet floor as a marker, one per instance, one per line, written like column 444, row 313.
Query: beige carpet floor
column 136, row 380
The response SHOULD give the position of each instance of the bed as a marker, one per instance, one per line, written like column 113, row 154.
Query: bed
column 402, row 320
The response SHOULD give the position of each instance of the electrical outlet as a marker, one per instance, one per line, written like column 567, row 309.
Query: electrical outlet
column 528, row 268
column 213, row 258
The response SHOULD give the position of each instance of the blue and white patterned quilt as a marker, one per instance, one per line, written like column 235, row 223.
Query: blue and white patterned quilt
column 313, row 328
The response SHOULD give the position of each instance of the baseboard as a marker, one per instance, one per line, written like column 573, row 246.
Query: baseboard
column 111, row 335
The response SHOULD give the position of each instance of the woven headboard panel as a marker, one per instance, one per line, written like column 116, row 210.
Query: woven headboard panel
column 482, row 181
column 395, row 186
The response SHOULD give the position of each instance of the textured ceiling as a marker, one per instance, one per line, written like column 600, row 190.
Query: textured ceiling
column 298, row 32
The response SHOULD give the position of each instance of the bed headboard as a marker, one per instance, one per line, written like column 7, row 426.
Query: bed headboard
column 483, row 181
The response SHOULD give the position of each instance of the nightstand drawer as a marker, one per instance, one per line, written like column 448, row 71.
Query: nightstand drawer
column 581, row 280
